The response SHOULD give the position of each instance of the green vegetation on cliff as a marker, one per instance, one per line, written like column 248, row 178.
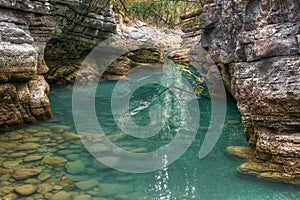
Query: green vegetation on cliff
column 159, row 12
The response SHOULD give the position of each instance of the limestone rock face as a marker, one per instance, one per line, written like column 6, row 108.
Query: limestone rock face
column 256, row 44
column 26, row 27
column 138, row 47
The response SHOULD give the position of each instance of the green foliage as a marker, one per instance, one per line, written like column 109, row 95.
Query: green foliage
column 159, row 12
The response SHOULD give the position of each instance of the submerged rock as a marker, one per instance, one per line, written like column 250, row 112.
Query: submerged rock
column 11, row 164
column 77, row 178
column 18, row 155
column 25, row 190
column 240, row 151
column 44, row 176
column 71, row 136
column 83, row 197
column 16, row 136
column 86, row 185
column 32, row 181
column 252, row 167
column 278, row 176
column 109, row 189
column 44, row 188
column 261, row 169
column 8, row 145
column 123, row 197
column 233, row 122
column 32, row 158
column 11, row 196
column 2, row 150
column 6, row 171
column 5, row 177
column 21, row 174
column 53, row 160
column 72, row 157
column 75, row 167
column 62, row 195
column 28, row 146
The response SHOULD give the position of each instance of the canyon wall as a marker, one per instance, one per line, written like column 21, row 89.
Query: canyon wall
column 27, row 26
column 256, row 45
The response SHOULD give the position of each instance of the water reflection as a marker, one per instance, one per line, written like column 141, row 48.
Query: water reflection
column 161, row 187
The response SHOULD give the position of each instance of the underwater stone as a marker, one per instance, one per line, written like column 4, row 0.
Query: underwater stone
column 11, row 196
column 21, row 174
column 62, row 195
column 108, row 189
column 258, row 167
column 6, row 171
column 32, row 158
column 233, row 122
column 240, row 151
column 72, row 157
column 28, row 146
column 71, row 136
column 78, row 177
column 11, row 164
column 44, row 176
column 83, row 197
column 5, row 177
column 18, row 155
column 75, row 167
column 25, row 190
column 44, row 188
column 32, row 181
column 86, row 185
column 53, row 160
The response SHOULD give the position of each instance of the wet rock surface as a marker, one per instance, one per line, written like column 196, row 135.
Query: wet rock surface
column 256, row 46
column 261, row 169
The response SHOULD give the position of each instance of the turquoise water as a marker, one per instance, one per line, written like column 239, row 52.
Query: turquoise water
column 213, row 177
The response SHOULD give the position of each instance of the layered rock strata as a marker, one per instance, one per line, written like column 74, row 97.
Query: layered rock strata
column 26, row 27
column 256, row 45
column 140, row 47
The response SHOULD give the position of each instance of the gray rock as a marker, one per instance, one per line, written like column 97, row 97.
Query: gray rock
column 23, row 40
column 258, row 54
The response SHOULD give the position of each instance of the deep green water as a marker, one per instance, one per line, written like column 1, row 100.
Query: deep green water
column 213, row 177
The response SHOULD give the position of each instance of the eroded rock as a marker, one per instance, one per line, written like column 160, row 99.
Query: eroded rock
column 26, row 28
column 255, row 46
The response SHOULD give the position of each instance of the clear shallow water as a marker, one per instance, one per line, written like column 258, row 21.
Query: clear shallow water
column 213, row 177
